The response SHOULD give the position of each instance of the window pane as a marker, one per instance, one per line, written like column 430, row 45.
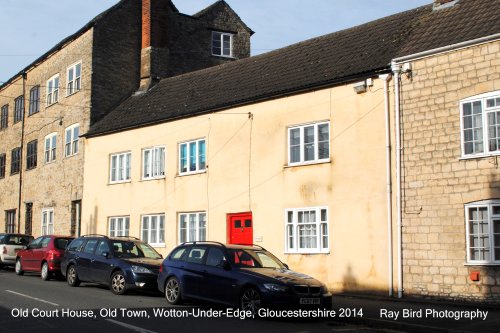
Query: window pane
column 309, row 143
column 202, row 227
column 201, row 154
column 161, row 230
column 145, row 228
column 183, row 228
column 323, row 141
column 192, row 156
column 183, row 157
column 192, row 227
column 147, row 164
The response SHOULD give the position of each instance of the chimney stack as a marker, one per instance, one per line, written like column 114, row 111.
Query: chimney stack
column 153, row 44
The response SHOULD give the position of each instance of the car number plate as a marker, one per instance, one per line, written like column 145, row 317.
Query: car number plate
column 309, row 301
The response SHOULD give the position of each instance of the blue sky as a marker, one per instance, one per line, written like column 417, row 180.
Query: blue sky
column 29, row 28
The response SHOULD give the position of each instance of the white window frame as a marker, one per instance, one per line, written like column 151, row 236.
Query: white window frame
column 489, row 234
column 292, row 244
column 50, row 148
column 221, row 36
column 52, row 95
column 198, row 229
column 153, row 163
column 73, row 85
column 302, row 144
column 199, row 167
column 47, row 225
column 158, row 233
column 485, row 111
column 71, row 146
column 121, row 172
column 118, row 226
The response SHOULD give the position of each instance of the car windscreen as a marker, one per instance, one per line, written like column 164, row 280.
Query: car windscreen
column 130, row 249
column 61, row 243
column 17, row 240
column 253, row 258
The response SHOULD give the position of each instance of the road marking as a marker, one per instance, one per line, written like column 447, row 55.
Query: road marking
column 130, row 327
column 34, row 298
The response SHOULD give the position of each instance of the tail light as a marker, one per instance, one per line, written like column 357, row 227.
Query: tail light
column 53, row 254
column 161, row 268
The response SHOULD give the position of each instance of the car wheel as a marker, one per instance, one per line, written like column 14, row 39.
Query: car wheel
column 72, row 276
column 173, row 291
column 117, row 284
column 18, row 268
column 45, row 274
column 250, row 300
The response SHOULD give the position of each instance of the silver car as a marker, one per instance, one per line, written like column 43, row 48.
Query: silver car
column 10, row 244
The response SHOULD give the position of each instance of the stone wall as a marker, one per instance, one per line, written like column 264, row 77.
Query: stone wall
column 437, row 182
column 56, row 184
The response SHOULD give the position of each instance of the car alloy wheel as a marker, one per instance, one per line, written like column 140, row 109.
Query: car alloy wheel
column 250, row 300
column 173, row 291
column 72, row 276
column 18, row 268
column 118, row 283
column 45, row 271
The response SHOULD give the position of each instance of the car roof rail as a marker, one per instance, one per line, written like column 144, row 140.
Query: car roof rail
column 132, row 237
column 261, row 247
column 204, row 242
column 94, row 235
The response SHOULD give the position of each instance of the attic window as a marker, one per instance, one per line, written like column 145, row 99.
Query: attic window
column 222, row 44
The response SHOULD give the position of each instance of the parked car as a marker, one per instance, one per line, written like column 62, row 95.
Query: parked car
column 122, row 263
column 10, row 244
column 42, row 255
column 246, row 276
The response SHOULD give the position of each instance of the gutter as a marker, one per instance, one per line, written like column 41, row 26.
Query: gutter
column 454, row 47
column 397, row 109
column 386, row 78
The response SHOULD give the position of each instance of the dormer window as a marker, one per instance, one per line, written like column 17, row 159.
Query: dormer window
column 222, row 44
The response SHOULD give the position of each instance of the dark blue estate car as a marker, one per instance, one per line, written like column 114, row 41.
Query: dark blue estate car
column 245, row 276
column 123, row 263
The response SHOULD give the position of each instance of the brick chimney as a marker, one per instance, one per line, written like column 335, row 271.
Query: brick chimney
column 154, row 53
column 439, row 4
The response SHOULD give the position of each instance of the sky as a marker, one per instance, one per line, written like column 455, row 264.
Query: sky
column 29, row 28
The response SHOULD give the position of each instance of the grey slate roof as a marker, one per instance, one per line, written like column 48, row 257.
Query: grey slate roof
column 337, row 58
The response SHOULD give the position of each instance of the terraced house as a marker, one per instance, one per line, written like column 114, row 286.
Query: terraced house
column 366, row 157
column 48, row 105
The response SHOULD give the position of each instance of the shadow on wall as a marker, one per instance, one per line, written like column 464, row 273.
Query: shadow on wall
column 349, row 282
column 91, row 227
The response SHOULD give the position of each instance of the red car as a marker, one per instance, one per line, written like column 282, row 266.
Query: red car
column 42, row 255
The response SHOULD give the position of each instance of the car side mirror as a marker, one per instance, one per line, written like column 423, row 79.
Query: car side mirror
column 224, row 265
column 286, row 266
column 161, row 256
column 105, row 254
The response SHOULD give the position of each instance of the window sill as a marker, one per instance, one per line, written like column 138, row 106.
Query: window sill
column 478, row 156
column 307, row 164
column 120, row 182
column 152, row 178
column 192, row 173
column 223, row 56
column 72, row 155
column 162, row 245
column 49, row 162
column 305, row 253
column 469, row 264
column 33, row 113
column 73, row 93
column 49, row 105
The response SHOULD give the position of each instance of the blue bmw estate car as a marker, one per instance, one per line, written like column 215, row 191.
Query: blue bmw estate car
column 248, row 277
column 123, row 263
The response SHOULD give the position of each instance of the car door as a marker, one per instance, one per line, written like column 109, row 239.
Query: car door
column 100, row 265
column 27, row 256
column 39, row 253
column 193, row 271
column 83, row 259
column 219, row 283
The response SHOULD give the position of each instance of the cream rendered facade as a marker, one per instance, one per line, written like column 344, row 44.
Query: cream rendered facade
column 247, row 171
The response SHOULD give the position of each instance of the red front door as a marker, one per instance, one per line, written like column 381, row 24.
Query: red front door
column 240, row 228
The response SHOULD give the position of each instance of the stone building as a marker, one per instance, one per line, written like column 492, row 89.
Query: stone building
column 48, row 105
column 450, row 180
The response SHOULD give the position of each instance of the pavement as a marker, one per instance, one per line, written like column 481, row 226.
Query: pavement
column 416, row 315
